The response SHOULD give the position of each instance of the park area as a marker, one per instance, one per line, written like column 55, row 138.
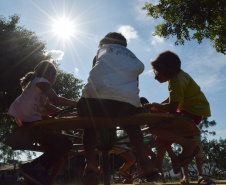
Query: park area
column 112, row 92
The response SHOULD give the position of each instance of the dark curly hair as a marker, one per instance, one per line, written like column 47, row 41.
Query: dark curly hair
column 167, row 63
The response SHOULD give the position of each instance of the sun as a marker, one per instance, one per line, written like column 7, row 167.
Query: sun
column 64, row 28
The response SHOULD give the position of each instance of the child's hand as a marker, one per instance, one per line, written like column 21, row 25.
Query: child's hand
column 45, row 117
column 152, row 107
column 70, row 115
column 149, row 105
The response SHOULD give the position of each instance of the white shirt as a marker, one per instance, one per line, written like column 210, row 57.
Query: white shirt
column 115, row 75
column 29, row 106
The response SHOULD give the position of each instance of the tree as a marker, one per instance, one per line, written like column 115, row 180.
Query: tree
column 214, row 157
column 20, row 51
column 214, row 151
column 67, row 85
column 205, row 123
column 189, row 19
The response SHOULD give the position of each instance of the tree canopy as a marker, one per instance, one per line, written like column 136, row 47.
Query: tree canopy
column 189, row 19
column 214, row 156
column 20, row 51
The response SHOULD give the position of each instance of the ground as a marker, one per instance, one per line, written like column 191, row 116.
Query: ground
column 218, row 182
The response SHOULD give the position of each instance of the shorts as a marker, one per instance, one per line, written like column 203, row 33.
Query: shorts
column 93, row 107
column 195, row 118
column 123, row 149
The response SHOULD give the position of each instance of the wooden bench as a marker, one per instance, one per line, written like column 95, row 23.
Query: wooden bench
column 20, row 139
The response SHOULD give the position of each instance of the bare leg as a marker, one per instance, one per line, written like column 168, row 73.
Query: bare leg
column 57, row 168
column 172, row 155
column 130, row 159
column 100, row 168
column 90, row 144
column 174, row 160
column 139, row 170
column 100, row 171
column 187, row 145
column 198, row 161
column 136, row 138
column 185, row 169
column 161, row 151
column 125, row 168
column 153, row 156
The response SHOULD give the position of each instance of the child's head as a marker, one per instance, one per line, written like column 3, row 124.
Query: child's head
column 44, row 69
column 143, row 100
column 113, row 38
column 166, row 66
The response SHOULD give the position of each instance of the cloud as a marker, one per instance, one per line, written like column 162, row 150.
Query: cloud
column 207, row 69
column 76, row 70
column 157, row 40
column 128, row 31
column 141, row 15
column 159, row 44
column 57, row 54
column 219, row 133
column 172, row 46
column 148, row 73
column 210, row 82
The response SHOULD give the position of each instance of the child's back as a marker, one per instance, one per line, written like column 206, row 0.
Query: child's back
column 29, row 106
column 183, row 89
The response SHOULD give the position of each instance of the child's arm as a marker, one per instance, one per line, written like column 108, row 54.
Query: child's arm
column 170, row 107
column 51, row 94
column 51, row 108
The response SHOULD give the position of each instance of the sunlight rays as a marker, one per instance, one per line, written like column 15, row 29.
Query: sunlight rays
column 64, row 28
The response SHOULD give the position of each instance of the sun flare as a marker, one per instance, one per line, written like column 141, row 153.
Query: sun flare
column 64, row 28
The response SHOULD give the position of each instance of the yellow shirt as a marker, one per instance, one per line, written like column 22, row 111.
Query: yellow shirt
column 183, row 89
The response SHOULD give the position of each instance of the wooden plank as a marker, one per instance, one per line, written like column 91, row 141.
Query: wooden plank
column 22, row 137
column 87, row 122
column 178, row 124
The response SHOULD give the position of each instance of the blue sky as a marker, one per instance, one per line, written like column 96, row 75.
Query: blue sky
column 92, row 19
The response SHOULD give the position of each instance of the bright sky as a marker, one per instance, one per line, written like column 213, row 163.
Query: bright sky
column 73, row 28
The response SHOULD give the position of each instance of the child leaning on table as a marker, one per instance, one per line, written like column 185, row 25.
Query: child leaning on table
column 185, row 98
column 28, row 108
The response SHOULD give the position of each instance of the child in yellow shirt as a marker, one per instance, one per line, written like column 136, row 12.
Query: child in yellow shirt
column 185, row 98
